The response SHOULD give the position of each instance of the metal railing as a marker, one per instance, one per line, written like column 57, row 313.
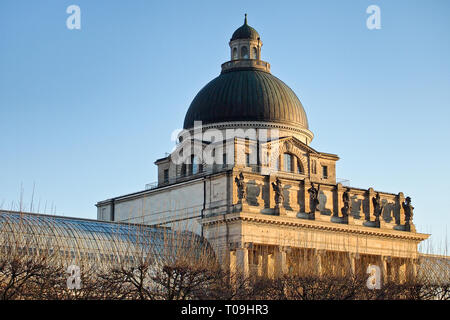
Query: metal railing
column 216, row 168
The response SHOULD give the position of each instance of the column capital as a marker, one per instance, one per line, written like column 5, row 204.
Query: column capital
column 286, row 249
column 320, row 252
column 354, row 255
column 240, row 245
column 247, row 245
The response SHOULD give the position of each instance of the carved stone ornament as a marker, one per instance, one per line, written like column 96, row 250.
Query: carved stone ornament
column 347, row 208
column 240, row 184
column 314, row 198
column 278, row 189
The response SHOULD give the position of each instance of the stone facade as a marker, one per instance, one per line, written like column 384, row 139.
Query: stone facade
column 262, row 196
column 253, row 227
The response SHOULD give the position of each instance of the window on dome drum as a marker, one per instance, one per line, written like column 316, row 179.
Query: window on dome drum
column 244, row 52
column 324, row 172
column 288, row 165
column 235, row 54
column 255, row 53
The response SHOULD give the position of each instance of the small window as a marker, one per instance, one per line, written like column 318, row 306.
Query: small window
column 313, row 167
column 324, row 172
column 247, row 159
column 255, row 53
column 244, row 52
column 235, row 53
column 299, row 167
column 166, row 175
column 224, row 160
column 288, row 162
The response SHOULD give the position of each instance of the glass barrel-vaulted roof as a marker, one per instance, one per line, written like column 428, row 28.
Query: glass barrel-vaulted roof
column 82, row 240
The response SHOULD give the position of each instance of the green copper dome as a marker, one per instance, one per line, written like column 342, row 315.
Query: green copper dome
column 246, row 95
column 245, row 32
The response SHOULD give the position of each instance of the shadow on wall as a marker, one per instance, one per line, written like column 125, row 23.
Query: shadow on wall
column 322, row 204
column 253, row 192
column 356, row 207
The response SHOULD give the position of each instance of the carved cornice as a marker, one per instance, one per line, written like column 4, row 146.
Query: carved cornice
column 297, row 143
column 314, row 225
column 259, row 125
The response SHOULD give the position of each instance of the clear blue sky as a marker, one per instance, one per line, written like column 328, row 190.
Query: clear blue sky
column 84, row 113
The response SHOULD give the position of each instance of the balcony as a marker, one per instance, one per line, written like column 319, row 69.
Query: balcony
column 246, row 63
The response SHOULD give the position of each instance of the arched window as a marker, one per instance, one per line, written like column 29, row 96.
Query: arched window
column 235, row 53
column 255, row 53
column 244, row 52
column 288, row 164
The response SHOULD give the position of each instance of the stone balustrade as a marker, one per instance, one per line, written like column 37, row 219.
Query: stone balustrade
column 362, row 208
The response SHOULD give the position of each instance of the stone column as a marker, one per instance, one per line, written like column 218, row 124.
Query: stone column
column 242, row 266
column 320, row 256
column 281, row 267
column 265, row 263
column 271, row 265
column 353, row 257
column 260, row 264
column 402, row 274
column 394, row 266
column 411, row 269
column 307, row 185
column 385, row 260
column 232, row 260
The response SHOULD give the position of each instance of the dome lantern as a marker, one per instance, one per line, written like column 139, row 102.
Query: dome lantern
column 245, row 43
column 246, row 94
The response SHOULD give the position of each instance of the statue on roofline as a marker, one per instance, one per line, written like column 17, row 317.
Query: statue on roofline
column 240, row 187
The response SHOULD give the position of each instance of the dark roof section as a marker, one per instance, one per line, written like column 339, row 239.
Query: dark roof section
column 246, row 95
column 245, row 32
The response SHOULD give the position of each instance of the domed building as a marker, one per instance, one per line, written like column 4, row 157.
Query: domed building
column 244, row 176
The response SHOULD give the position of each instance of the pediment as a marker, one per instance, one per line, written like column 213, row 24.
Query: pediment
column 291, row 145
